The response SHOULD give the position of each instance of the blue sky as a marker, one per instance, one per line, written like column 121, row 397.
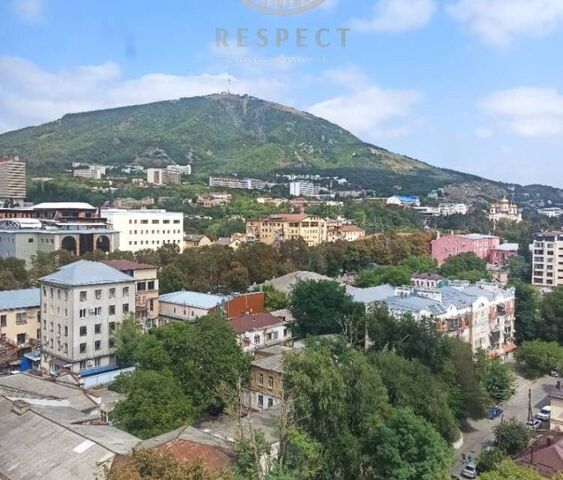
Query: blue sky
column 473, row 85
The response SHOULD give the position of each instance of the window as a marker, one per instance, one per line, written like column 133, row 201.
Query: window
column 98, row 294
column 3, row 320
column 97, row 362
column 256, row 339
column 111, row 343
column 21, row 338
column 125, row 308
column 83, row 296
column 141, row 286
column 150, row 285
column 83, row 331
column 66, row 331
column 83, row 348
column 98, row 328
column 112, row 309
column 83, row 312
column 261, row 401
column 125, row 291
column 270, row 402
column 111, row 326
column 97, row 311
column 270, row 382
column 65, row 348
column 261, row 379
column 97, row 345
column 112, row 291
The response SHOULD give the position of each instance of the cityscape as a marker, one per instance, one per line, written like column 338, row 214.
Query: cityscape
column 214, row 281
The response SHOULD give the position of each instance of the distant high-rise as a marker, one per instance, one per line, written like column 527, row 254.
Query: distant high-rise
column 12, row 180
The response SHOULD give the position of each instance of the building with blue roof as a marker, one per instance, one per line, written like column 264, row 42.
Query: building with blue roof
column 187, row 305
column 19, row 316
column 82, row 305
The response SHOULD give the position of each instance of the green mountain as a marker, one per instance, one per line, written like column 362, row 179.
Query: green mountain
column 220, row 134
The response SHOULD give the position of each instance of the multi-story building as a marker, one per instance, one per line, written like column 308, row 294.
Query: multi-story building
column 20, row 318
column 504, row 210
column 346, row 233
column 163, row 176
column 447, row 209
column 22, row 238
column 196, row 240
column 303, row 189
column 281, row 227
column 214, row 200
column 266, row 378
column 132, row 203
column 260, row 330
column 547, row 259
column 551, row 212
column 404, row 201
column 92, row 172
column 237, row 183
column 12, row 181
column 81, row 306
column 451, row 245
column 146, row 229
column 146, row 289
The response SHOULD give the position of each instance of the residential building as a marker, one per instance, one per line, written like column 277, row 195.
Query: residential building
column 183, row 169
column 547, row 259
column 552, row 212
column 190, row 306
column 503, row 253
column 504, row 210
column 266, row 378
column 428, row 280
column 162, row 176
column 82, row 305
column 146, row 229
column 452, row 245
column 260, row 330
column 92, row 172
column 20, row 317
column 23, row 238
column 346, row 233
column 234, row 242
column 544, row 455
column 132, row 203
column 146, row 289
column 196, row 240
column 238, row 183
column 214, row 200
column 303, row 189
column 12, row 181
column 404, row 201
column 447, row 209
column 265, row 200
column 281, row 227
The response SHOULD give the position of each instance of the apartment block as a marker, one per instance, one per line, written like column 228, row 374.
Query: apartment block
column 547, row 260
column 81, row 306
column 92, row 172
column 237, row 183
column 12, row 181
column 452, row 245
column 163, row 176
column 281, row 227
column 20, row 318
column 146, row 229
column 303, row 189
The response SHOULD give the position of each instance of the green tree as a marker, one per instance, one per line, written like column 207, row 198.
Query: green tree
column 526, row 315
column 318, row 306
column 498, row 380
column 539, row 358
column 550, row 327
column 420, row 264
column 406, row 447
column 512, row 436
column 126, row 338
column 489, row 459
column 275, row 299
column 465, row 266
column 508, row 470
column 395, row 276
column 155, row 404
column 518, row 269
column 13, row 274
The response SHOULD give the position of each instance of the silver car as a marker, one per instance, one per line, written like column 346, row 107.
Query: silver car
column 470, row 470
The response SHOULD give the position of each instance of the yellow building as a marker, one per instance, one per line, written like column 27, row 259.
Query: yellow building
column 281, row 227
column 20, row 319
column 504, row 210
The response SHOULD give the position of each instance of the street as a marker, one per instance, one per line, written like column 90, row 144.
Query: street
column 479, row 434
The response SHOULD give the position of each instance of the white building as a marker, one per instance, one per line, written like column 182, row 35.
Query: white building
column 81, row 306
column 261, row 330
column 183, row 169
column 447, row 209
column 547, row 259
column 145, row 229
column 552, row 212
column 92, row 172
column 303, row 189
column 161, row 176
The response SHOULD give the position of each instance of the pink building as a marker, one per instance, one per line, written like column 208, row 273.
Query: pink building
column 451, row 245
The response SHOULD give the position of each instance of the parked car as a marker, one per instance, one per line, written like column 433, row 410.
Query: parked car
column 534, row 424
column 544, row 414
column 470, row 470
column 494, row 412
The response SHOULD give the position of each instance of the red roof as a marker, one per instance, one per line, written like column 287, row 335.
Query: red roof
column 123, row 265
column 214, row 458
column 258, row 321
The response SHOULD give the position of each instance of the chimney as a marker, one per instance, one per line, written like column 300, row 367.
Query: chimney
column 19, row 407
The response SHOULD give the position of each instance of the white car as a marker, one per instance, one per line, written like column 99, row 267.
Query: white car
column 544, row 414
column 469, row 471
column 534, row 424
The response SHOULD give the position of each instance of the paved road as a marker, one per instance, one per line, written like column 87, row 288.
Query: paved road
column 479, row 433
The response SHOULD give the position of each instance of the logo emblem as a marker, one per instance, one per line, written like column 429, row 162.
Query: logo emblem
column 282, row 7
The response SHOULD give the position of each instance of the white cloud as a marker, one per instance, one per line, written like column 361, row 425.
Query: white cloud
column 397, row 16
column 526, row 111
column 499, row 22
column 367, row 110
column 30, row 95
column 28, row 10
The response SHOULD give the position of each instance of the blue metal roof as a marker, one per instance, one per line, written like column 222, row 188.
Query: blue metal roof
column 372, row 294
column 86, row 273
column 16, row 299
column 194, row 299
column 98, row 370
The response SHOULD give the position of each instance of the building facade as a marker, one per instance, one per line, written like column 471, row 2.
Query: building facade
column 12, row 181
column 238, row 183
column 266, row 379
column 547, row 260
column 163, row 176
column 260, row 330
column 146, row 229
column 452, row 245
column 345, row 233
column 278, row 228
column 93, row 172
column 303, row 189
column 81, row 306
column 20, row 317
column 146, row 289
column 504, row 210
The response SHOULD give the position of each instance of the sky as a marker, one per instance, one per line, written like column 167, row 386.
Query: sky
column 471, row 85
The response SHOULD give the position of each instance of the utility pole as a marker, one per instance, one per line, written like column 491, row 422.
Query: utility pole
column 530, row 414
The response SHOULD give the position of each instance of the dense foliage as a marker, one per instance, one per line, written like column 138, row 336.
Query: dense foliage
column 538, row 358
